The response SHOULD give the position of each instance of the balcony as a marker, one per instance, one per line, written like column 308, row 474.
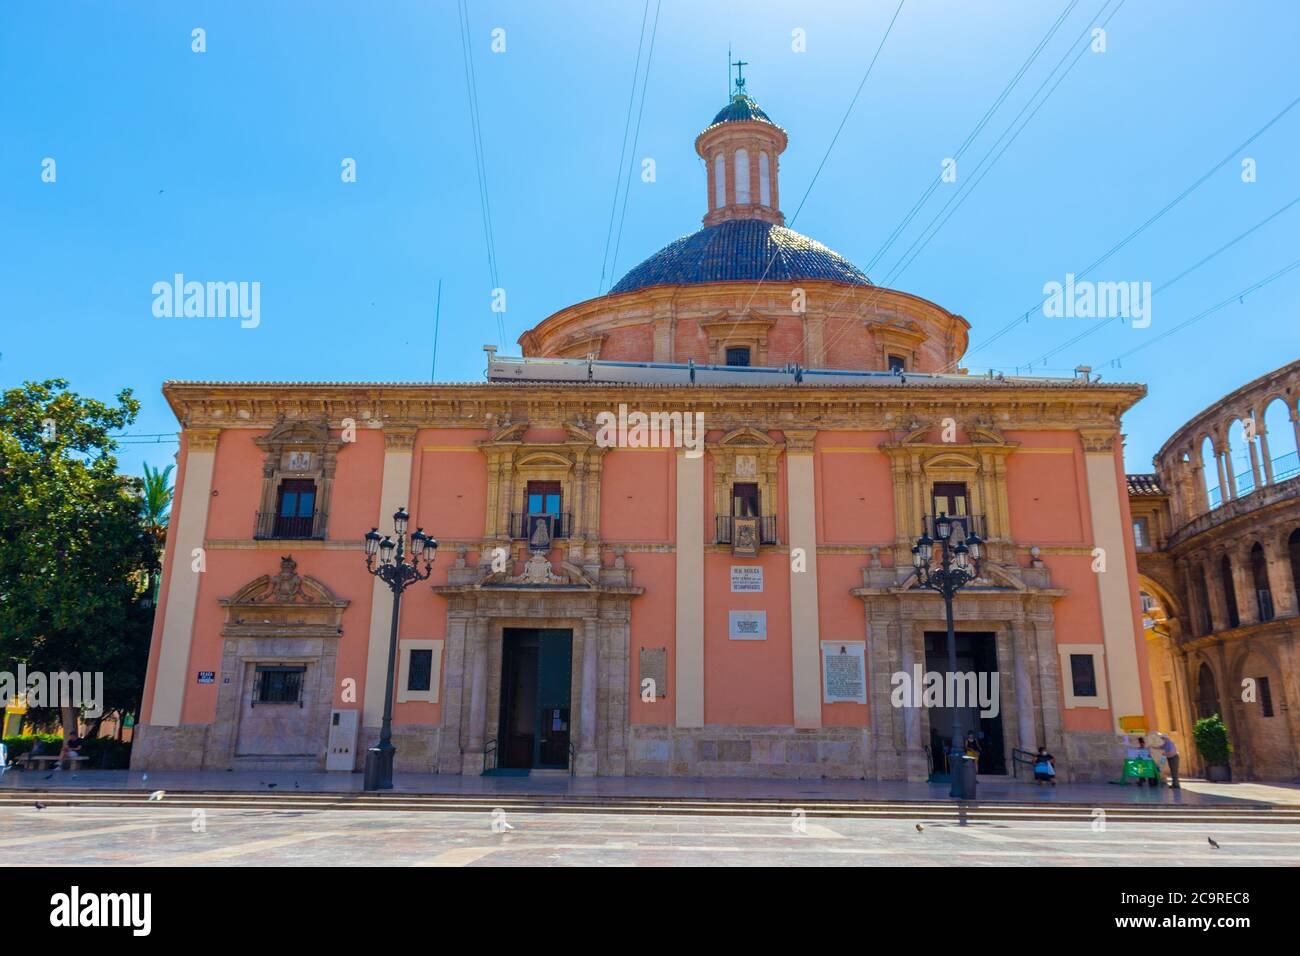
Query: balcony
column 726, row 524
column 1282, row 489
column 522, row 524
column 276, row 527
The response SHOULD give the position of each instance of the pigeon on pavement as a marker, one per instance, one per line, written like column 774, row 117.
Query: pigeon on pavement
column 919, row 828
column 1212, row 843
column 39, row 805
column 157, row 795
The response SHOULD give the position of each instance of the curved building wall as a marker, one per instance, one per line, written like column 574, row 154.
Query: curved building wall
column 1219, row 562
column 816, row 323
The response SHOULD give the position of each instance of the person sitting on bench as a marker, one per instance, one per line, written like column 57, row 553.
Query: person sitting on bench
column 71, row 750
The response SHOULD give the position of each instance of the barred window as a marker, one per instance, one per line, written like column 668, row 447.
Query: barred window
column 279, row 684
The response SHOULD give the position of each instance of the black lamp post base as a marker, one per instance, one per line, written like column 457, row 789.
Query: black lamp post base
column 379, row 768
column 963, row 777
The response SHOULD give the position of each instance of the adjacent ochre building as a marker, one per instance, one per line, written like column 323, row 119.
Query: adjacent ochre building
column 1219, row 568
column 734, row 607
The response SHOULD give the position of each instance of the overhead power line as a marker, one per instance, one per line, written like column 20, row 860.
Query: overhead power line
column 622, row 155
column 1156, row 217
column 480, row 163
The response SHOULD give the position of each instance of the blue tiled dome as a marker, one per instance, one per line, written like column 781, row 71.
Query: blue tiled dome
column 737, row 250
column 740, row 109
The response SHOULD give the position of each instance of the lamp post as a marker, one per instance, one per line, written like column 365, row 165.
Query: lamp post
column 393, row 569
column 958, row 566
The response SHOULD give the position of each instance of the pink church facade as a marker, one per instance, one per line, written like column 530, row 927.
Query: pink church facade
column 742, row 607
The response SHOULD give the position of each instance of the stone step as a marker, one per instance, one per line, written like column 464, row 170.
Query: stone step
column 484, row 803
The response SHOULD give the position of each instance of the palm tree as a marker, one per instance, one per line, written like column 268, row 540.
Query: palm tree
column 155, row 510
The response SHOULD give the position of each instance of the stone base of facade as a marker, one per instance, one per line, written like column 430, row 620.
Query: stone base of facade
column 191, row 747
column 775, row 752
column 417, row 747
column 155, row 747
column 843, row 753
column 1090, row 757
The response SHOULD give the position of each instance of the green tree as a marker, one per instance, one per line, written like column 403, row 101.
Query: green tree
column 155, row 510
column 74, row 553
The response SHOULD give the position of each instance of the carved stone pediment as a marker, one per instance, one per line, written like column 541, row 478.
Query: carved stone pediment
column 508, row 432
column 297, row 433
column 976, row 433
column 745, row 435
column 538, row 571
column 283, row 603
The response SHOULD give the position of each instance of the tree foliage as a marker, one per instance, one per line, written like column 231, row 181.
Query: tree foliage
column 74, row 553
column 1211, row 738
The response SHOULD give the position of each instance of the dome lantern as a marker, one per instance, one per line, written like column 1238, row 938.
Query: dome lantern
column 740, row 149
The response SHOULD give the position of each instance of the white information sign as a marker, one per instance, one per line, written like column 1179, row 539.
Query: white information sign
column 746, row 577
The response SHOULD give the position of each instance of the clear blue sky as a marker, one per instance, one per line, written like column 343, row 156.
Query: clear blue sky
column 225, row 165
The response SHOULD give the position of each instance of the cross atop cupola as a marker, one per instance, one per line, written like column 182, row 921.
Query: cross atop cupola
column 740, row 76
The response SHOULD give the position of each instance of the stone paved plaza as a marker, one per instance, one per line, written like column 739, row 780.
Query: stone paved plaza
column 161, row 834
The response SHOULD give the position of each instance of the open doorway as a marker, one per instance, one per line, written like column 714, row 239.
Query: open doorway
column 977, row 652
column 536, row 688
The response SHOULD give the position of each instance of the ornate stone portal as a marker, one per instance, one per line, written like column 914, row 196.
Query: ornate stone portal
column 481, row 604
column 1015, row 605
column 278, row 620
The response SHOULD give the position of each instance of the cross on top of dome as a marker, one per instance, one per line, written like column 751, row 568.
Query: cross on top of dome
column 740, row 76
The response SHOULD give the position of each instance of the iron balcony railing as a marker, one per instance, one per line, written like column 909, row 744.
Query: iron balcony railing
column 522, row 524
column 725, row 533
column 272, row 526
column 1284, row 467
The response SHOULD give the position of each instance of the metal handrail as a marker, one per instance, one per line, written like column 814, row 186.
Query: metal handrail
column 561, row 523
column 270, row 526
column 573, row 757
column 1019, row 756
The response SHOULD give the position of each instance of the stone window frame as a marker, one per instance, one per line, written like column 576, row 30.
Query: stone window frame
column 574, row 462
column 749, row 330
column 901, row 337
column 404, row 648
column 723, row 454
column 1098, row 654
column 582, row 345
column 919, row 460
column 287, row 437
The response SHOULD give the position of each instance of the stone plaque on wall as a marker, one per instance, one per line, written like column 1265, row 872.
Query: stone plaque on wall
column 653, row 666
column 747, row 625
column 746, row 577
column 844, row 672
column 746, row 466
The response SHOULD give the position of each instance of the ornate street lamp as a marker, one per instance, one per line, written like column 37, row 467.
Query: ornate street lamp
column 957, row 567
column 392, row 568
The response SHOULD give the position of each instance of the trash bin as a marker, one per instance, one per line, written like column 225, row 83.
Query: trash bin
column 963, row 776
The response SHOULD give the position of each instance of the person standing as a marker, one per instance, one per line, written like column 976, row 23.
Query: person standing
column 1170, row 751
